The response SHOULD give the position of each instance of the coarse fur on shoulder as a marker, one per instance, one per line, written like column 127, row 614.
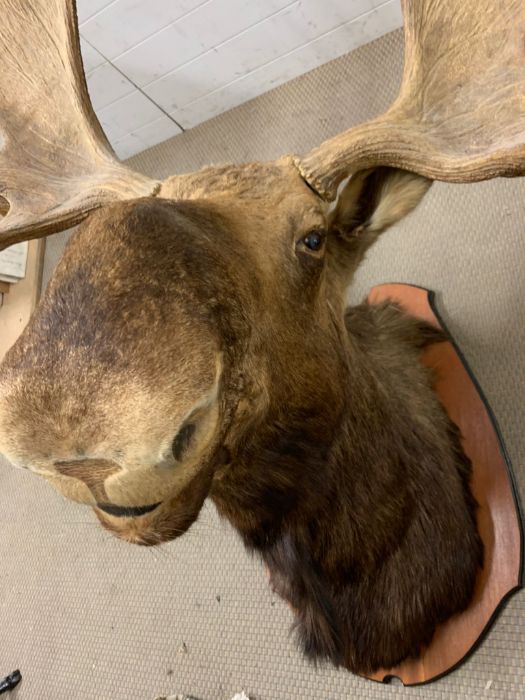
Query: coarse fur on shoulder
column 387, row 320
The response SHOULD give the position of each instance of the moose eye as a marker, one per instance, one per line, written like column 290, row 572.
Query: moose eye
column 182, row 440
column 313, row 241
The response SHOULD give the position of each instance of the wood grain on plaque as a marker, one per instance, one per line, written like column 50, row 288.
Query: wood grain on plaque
column 498, row 516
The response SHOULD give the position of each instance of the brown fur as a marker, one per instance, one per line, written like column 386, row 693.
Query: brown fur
column 193, row 344
column 376, row 543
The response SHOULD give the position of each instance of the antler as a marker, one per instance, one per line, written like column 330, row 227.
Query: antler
column 460, row 114
column 55, row 161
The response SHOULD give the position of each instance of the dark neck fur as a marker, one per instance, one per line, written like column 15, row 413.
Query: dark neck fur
column 345, row 504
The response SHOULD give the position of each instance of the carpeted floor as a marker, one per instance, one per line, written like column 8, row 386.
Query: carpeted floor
column 87, row 617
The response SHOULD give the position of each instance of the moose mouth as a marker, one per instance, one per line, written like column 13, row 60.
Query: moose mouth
column 127, row 511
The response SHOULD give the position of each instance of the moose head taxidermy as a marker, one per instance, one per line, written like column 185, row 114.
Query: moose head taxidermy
column 194, row 340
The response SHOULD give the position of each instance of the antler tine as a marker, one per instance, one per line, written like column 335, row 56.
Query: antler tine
column 55, row 162
column 460, row 114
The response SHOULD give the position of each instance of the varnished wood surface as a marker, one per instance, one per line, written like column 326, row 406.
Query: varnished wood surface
column 498, row 517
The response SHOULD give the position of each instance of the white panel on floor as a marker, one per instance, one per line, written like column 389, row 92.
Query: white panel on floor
column 91, row 58
column 88, row 8
column 106, row 85
column 161, row 129
column 128, row 114
column 197, row 58
column 331, row 45
column 281, row 33
column 209, row 26
column 129, row 146
column 127, row 22
column 148, row 135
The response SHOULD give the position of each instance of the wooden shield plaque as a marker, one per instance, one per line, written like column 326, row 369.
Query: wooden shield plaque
column 499, row 517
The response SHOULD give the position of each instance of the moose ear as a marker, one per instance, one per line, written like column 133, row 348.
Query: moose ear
column 373, row 200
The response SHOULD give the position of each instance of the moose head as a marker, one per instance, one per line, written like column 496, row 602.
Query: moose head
column 194, row 339
column 217, row 312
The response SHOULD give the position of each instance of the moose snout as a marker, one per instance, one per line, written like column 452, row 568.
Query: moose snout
column 136, row 529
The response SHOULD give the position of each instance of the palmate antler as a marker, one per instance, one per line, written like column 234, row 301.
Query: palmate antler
column 460, row 115
column 55, row 161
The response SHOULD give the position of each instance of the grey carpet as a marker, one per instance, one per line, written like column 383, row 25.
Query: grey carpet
column 85, row 616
